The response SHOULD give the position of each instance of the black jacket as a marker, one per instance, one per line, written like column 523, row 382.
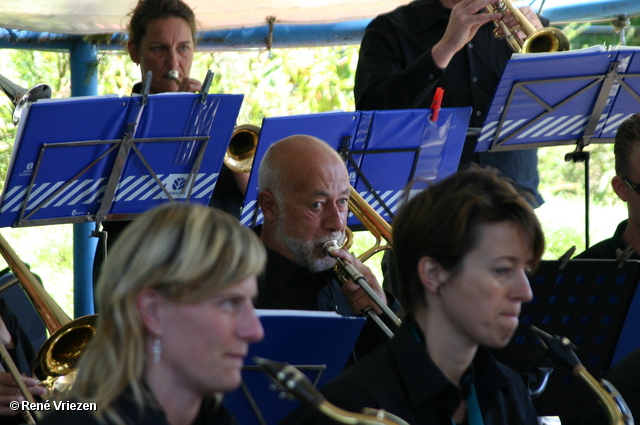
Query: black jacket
column 401, row 378
column 22, row 354
column 396, row 71
column 607, row 249
column 287, row 286
column 211, row 413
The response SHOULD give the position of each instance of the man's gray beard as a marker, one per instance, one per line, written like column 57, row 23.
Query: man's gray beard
column 304, row 252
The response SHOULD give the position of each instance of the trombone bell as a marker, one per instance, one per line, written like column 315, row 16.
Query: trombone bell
column 242, row 148
column 21, row 97
column 57, row 359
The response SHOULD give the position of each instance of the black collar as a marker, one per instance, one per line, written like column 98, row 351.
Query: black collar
column 409, row 349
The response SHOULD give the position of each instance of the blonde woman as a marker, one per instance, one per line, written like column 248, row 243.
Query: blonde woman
column 176, row 318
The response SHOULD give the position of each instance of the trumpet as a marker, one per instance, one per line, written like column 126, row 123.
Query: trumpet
column 298, row 385
column 543, row 40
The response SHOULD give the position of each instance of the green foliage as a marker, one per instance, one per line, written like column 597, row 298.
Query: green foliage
column 283, row 81
column 26, row 68
column 580, row 35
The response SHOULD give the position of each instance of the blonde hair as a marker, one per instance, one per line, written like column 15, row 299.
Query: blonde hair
column 186, row 252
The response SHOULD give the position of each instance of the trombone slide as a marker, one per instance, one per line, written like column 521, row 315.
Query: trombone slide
column 359, row 278
column 52, row 315
column 7, row 363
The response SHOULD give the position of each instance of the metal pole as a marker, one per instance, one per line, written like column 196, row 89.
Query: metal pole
column 84, row 82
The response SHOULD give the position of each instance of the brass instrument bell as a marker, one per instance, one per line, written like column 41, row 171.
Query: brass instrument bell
column 21, row 97
column 242, row 148
column 544, row 40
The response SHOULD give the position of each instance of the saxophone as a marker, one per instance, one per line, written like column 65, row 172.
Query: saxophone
column 561, row 350
column 295, row 383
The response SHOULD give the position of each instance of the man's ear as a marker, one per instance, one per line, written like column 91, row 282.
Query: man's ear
column 149, row 302
column 134, row 54
column 268, row 204
column 432, row 274
column 620, row 187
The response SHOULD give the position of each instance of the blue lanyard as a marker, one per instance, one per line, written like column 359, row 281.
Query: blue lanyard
column 473, row 408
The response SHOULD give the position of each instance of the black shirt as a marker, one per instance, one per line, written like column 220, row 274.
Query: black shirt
column 396, row 71
column 22, row 354
column 607, row 249
column 285, row 285
column 211, row 413
column 401, row 378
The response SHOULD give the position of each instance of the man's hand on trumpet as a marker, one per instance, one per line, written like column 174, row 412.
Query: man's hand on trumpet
column 462, row 27
column 511, row 21
column 357, row 298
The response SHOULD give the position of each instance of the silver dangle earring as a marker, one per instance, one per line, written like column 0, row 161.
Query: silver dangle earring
column 157, row 350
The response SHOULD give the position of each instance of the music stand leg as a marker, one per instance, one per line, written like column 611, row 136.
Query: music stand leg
column 587, row 191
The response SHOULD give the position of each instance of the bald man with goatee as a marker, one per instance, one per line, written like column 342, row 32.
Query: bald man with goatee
column 303, row 193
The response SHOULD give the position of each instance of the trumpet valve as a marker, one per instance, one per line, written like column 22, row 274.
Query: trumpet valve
column 500, row 7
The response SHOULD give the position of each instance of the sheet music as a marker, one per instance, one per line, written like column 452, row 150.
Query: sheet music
column 295, row 313
column 590, row 49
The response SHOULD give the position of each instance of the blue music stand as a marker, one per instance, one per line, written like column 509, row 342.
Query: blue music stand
column 383, row 150
column 594, row 303
column 104, row 157
column 563, row 98
column 317, row 343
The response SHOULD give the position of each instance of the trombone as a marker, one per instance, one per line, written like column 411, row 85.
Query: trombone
column 21, row 97
column 7, row 363
column 242, row 148
column 56, row 360
column 380, row 229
